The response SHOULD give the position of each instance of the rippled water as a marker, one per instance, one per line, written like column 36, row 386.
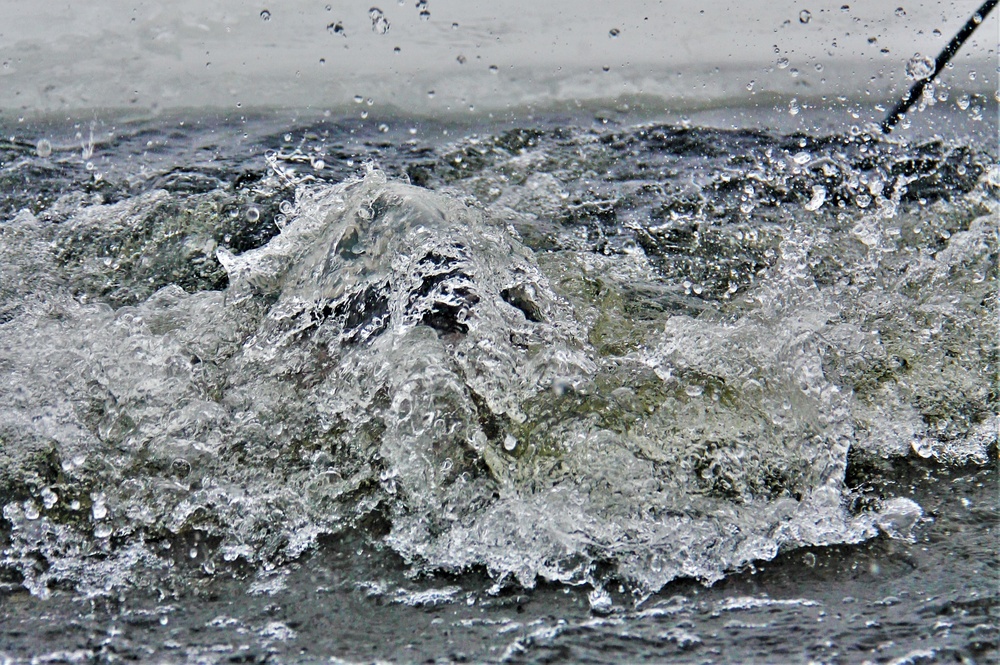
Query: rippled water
column 567, row 389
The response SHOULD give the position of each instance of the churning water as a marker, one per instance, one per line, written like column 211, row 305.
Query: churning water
column 577, row 385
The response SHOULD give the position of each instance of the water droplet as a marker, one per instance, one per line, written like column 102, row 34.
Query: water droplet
column 43, row 148
column 936, row 32
column 358, row 99
column 802, row 158
column 900, row 11
column 919, row 67
column 804, row 16
column 460, row 59
column 750, row 85
column 809, row 559
column 972, row 76
column 49, row 498
column 425, row 15
column 102, row 530
column 963, row 102
column 793, row 107
column 99, row 510
column 336, row 29
column 845, row 8
column 818, row 198
column 509, row 443
column 430, row 94
column 31, row 510
column 614, row 32
column 288, row 137
column 383, row 128
column 782, row 63
column 380, row 24
column 494, row 69
column 164, row 620
column 369, row 101
column 253, row 214
column 265, row 15
column 364, row 114
column 193, row 553
column 694, row 390
column 318, row 164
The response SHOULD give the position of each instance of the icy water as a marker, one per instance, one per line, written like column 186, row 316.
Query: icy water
column 576, row 388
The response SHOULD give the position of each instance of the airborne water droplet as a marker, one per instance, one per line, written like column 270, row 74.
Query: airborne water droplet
column 919, row 67
column 43, row 148
column 380, row 24
column 804, row 16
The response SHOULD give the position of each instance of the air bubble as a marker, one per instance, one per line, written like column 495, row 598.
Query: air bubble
column 253, row 214
column 805, row 16
column 102, row 531
column 694, row 390
column 43, row 148
column 380, row 24
column 265, row 15
column 31, row 510
column 509, row 443
column 919, row 67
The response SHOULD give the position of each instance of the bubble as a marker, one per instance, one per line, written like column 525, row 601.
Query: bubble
column 49, row 498
column 694, row 390
column 43, row 148
column 614, row 32
column 509, row 443
column 336, row 29
column 919, row 67
column 31, row 510
column 380, row 24
column 253, row 214
column 809, row 559
column 319, row 164
column 99, row 510
column 102, row 531
column 805, row 16
column 265, row 15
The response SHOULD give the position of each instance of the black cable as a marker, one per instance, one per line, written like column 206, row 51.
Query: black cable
column 917, row 89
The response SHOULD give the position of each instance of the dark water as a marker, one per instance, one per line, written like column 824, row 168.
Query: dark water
column 581, row 391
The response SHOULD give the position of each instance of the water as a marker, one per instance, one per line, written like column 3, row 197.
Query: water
column 582, row 388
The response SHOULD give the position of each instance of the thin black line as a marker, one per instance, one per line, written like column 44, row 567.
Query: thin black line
column 917, row 89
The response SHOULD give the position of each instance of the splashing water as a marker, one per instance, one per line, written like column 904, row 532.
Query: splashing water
column 675, row 398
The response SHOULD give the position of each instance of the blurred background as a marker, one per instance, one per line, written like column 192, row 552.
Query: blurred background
column 446, row 58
